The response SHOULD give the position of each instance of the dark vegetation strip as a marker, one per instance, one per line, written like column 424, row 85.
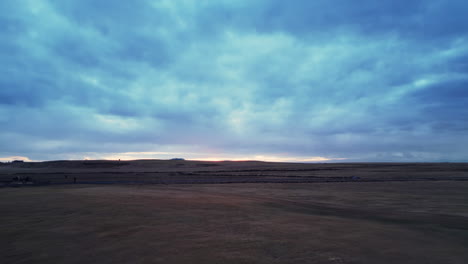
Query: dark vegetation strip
column 216, row 181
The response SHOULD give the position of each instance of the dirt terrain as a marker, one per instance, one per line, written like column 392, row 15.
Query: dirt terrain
column 413, row 213
column 182, row 172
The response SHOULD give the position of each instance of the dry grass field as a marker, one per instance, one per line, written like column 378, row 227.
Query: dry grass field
column 351, row 221
column 183, row 172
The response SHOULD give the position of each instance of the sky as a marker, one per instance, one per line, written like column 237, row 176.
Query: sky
column 303, row 81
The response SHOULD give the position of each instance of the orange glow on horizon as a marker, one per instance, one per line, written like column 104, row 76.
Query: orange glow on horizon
column 270, row 159
column 199, row 157
column 186, row 156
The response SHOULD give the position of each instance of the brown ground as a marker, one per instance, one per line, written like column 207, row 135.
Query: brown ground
column 341, row 222
column 174, row 171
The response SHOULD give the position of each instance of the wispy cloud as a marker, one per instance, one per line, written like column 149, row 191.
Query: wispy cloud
column 375, row 81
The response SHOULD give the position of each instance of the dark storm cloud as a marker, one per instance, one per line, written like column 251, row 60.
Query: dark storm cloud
column 337, row 79
column 323, row 15
column 445, row 105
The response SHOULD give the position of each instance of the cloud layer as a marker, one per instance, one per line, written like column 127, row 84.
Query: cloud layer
column 384, row 81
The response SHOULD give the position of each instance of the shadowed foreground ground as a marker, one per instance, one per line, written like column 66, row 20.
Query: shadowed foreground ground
column 356, row 222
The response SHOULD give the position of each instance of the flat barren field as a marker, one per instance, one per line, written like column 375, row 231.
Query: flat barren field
column 374, row 213
column 194, row 172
